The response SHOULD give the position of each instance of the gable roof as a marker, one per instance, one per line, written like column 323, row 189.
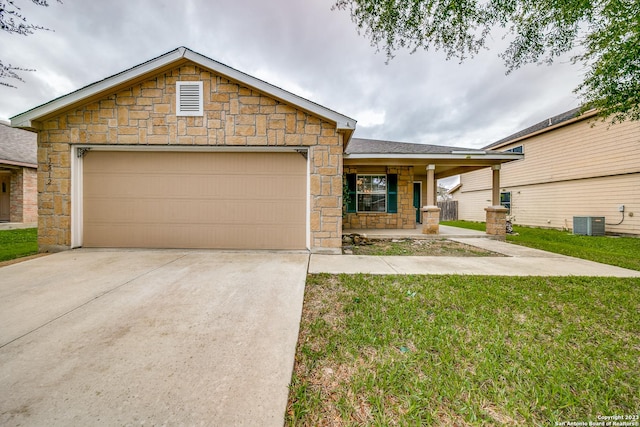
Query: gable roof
column 546, row 125
column 17, row 147
column 181, row 55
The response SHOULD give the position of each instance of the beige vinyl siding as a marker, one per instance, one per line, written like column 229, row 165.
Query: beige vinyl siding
column 195, row 200
column 585, row 168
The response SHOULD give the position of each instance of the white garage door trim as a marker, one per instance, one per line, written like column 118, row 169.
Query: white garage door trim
column 77, row 152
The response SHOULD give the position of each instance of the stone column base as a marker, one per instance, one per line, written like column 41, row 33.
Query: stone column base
column 496, row 221
column 431, row 220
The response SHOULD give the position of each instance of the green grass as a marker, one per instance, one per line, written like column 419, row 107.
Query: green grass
column 472, row 225
column 619, row 251
column 18, row 243
column 465, row 350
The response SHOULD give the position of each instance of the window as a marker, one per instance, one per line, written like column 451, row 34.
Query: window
column 371, row 193
column 505, row 201
column 189, row 99
column 517, row 149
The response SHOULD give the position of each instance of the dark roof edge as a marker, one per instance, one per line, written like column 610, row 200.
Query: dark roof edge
column 560, row 120
column 16, row 163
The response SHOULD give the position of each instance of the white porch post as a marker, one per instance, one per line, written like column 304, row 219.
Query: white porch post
column 431, row 197
column 431, row 212
column 496, row 221
column 495, row 189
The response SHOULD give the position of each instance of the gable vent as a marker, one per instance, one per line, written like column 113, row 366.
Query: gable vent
column 189, row 99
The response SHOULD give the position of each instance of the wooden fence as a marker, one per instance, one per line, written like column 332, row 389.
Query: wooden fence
column 448, row 210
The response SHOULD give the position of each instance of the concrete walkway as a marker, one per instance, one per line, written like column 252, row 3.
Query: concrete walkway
column 17, row 225
column 518, row 261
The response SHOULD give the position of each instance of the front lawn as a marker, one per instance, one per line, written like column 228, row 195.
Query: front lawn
column 465, row 350
column 619, row 251
column 18, row 243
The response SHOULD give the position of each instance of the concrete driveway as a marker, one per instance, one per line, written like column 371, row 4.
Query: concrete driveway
column 132, row 337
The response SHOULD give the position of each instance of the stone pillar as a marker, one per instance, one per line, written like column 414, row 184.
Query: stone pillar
column 430, row 220
column 496, row 222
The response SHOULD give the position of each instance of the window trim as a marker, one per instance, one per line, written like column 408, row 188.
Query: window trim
column 385, row 193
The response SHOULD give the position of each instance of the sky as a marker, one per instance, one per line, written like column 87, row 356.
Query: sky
column 302, row 46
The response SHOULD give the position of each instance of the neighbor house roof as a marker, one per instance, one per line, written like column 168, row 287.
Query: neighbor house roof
column 546, row 125
column 17, row 147
column 181, row 55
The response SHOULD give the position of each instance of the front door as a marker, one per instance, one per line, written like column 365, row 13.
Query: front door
column 417, row 200
column 5, row 199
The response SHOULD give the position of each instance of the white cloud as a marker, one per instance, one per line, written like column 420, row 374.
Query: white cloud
column 303, row 47
column 370, row 118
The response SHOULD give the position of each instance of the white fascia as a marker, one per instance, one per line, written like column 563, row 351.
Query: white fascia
column 500, row 156
column 25, row 120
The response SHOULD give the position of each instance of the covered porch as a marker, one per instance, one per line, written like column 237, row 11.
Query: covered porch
column 393, row 185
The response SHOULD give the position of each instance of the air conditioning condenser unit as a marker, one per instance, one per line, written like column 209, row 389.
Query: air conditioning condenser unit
column 588, row 225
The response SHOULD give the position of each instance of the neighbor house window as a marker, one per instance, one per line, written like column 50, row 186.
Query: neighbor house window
column 517, row 149
column 505, row 200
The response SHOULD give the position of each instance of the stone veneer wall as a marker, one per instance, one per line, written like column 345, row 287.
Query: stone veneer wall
column 406, row 216
column 23, row 205
column 144, row 114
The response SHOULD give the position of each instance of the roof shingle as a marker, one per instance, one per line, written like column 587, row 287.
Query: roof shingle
column 374, row 146
column 17, row 145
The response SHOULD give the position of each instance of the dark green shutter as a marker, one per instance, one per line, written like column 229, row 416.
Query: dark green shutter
column 351, row 192
column 392, row 193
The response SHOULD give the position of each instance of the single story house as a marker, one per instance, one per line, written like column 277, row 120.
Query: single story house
column 182, row 151
column 574, row 165
column 18, row 175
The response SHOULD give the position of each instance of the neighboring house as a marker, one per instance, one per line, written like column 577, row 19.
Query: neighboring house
column 185, row 152
column 18, row 175
column 574, row 165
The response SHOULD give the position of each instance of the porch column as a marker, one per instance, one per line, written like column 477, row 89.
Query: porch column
column 431, row 212
column 431, row 197
column 495, row 189
column 496, row 221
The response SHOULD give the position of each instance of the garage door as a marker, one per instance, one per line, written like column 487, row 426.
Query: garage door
column 194, row 200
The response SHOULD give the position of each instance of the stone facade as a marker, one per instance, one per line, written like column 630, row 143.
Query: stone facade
column 405, row 218
column 496, row 222
column 145, row 114
column 431, row 220
column 24, row 196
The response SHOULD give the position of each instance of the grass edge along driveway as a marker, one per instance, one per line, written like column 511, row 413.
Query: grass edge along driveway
column 465, row 350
